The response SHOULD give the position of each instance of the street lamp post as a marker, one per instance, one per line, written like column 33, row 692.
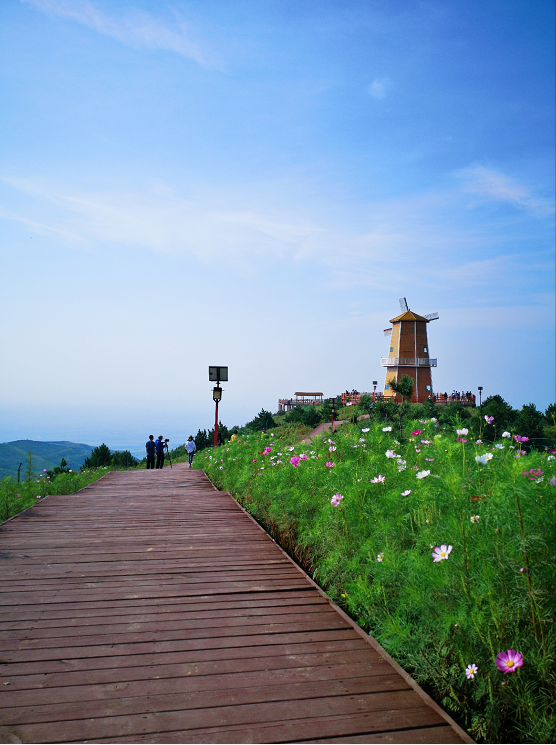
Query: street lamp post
column 217, row 374
column 480, row 395
column 216, row 397
column 375, row 383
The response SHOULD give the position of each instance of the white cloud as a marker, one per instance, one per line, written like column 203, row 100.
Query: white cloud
column 135, row 29
column 494, row 186
column 378, row 88
column 162, row 221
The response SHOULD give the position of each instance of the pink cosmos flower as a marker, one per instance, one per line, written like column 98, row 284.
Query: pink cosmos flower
column 461, row 439
column 519, row 438
column 552, row 480
column 329, row 464
column 417, row 432
column 336, row 499
column 303, row 456
column 471, row 671
column 378, row 479
column 441, row 552
column 522, row 570
column 294, row 461
column 533, row 474
column 489, row 419
column 380, row 556
column 429, row 459
column 508, row 662
column 254, row 460
column 44, row 470
column 267, row 450
column 417, row 450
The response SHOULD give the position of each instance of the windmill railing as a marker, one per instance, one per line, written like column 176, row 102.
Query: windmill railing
column 407, row 362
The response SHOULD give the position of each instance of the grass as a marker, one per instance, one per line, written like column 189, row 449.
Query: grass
column 14, row 497
column 373, row 554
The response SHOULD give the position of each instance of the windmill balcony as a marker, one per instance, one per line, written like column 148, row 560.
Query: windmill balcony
column 407, row 362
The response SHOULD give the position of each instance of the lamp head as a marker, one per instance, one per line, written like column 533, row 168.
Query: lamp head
column 216, row 394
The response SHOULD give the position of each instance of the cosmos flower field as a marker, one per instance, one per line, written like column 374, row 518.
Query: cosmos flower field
column 440, row 546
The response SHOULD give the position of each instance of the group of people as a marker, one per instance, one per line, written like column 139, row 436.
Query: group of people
column 155, row 451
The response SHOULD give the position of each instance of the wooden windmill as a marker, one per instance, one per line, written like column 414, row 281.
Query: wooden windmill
column 409, row 353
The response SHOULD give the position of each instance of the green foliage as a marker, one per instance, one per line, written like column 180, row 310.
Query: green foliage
column 62, row 468
column 29, row 468
column 503, row 414
column 404, row 386
column 100, row 456
column 15, row 498
column 311, row 416
column 123, row 459
column 495, row 592
column 263, row 420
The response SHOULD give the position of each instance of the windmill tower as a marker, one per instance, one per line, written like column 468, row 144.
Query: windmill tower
column 409, row 353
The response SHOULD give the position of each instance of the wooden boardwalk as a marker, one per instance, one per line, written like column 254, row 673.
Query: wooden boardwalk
column 150, row 607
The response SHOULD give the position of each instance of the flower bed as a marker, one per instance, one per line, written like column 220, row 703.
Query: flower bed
column 442, row 548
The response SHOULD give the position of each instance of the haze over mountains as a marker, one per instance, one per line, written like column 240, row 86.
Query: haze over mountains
column 45, row 455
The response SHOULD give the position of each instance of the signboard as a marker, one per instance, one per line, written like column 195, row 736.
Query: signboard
column 217, row 374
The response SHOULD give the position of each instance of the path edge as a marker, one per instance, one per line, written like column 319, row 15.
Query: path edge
column 367, row 637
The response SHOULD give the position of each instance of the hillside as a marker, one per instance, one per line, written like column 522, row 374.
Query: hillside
column 45, row 455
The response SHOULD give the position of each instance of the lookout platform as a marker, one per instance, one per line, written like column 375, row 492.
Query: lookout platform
column 149, row 607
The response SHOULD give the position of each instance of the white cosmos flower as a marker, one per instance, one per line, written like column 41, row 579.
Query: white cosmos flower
column 498, row 446
column 365, row 430
column 484, row 459
column 387, row 429
column 423, row 474
column 391, row 454
column 506, row 434
column 471, row 671
column 462, row 431
column 475, row 518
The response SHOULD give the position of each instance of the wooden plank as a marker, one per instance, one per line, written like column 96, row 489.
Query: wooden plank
column 151, row 608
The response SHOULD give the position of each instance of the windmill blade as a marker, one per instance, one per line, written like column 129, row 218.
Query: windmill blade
column 387, row 332
column 432, row 316
column 403, row 305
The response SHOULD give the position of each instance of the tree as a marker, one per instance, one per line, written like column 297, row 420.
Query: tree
column 504, row 415
column 57, row 470
column 263, row 420
column 404, row 388
column 100, row 456
column 530, row 423
column 550, row 415
column 124, row 459
column 29, row 470
column 202, row 439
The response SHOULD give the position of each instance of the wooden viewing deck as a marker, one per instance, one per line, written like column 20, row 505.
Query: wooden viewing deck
column 149, row 607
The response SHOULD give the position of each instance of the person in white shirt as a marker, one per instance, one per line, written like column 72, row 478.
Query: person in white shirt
column 190, row 447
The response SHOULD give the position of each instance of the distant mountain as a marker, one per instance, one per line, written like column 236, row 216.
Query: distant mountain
column 45, row 455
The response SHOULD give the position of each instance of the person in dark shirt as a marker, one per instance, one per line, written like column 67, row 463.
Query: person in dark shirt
column 159, row 447
column 150, row 451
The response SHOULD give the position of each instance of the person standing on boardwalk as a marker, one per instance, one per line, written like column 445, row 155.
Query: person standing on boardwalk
column 190, row 447
column 150, row 451
column 159, row 446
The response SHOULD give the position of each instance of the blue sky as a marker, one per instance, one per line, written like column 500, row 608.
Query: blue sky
column 256, row 184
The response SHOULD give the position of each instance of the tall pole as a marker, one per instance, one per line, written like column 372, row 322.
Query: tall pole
column 216, row 425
